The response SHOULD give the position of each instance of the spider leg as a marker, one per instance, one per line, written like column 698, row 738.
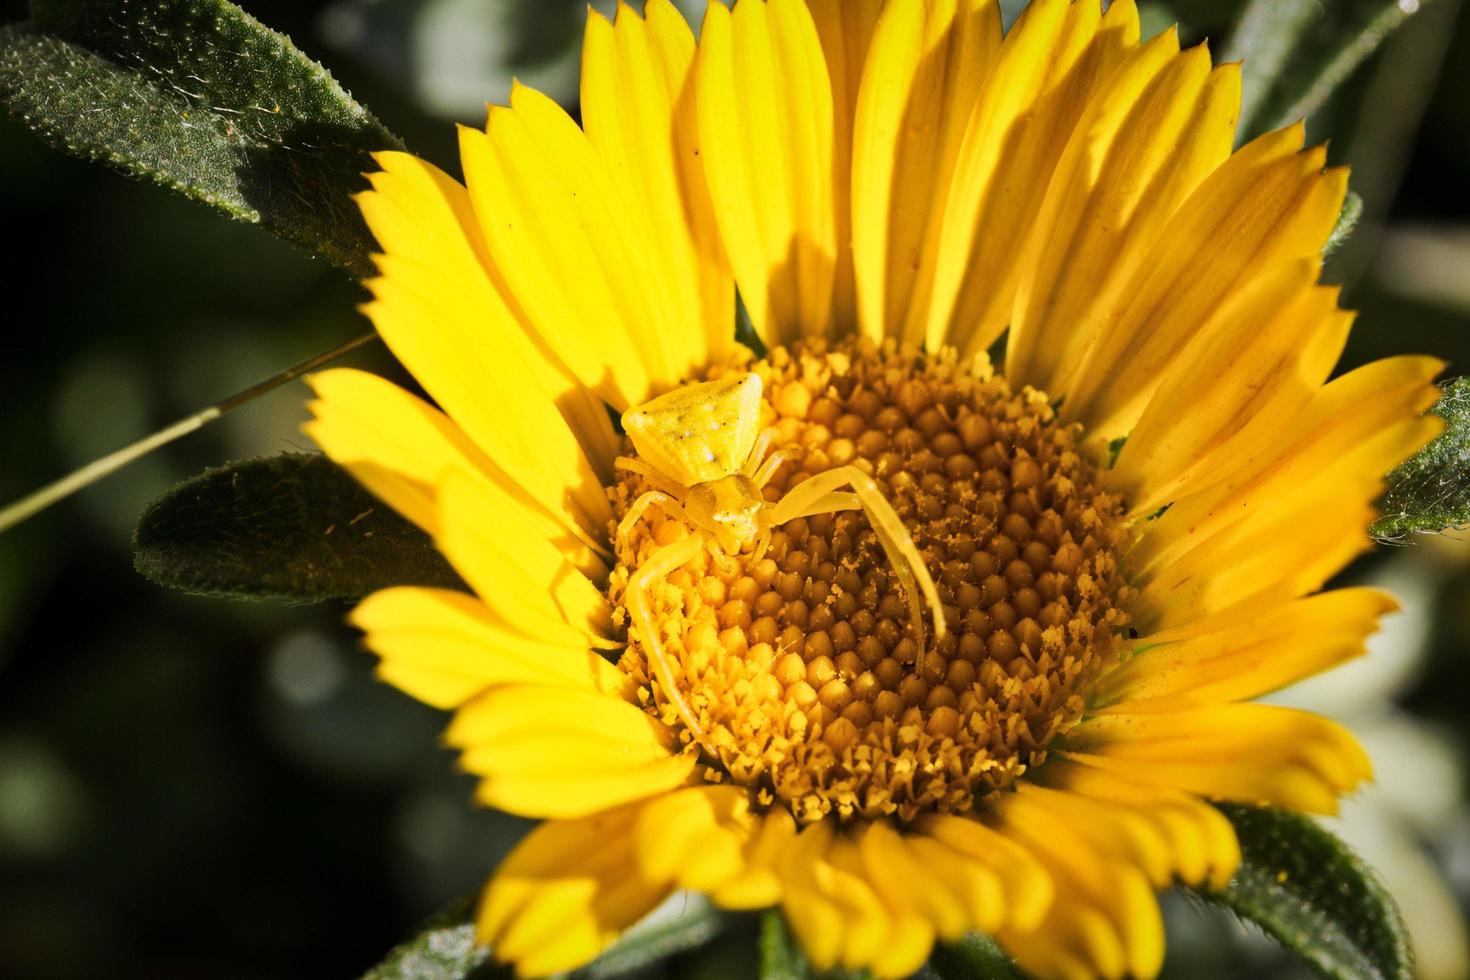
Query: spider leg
column 828, row 503
column 655, row 478
column 908, row 564
column 758, row 452
column 636, row 599
column 647, row 499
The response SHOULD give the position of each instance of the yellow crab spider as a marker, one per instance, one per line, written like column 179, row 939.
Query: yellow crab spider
column 701, row 451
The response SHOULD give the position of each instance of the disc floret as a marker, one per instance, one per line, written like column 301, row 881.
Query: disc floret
column 804, row 677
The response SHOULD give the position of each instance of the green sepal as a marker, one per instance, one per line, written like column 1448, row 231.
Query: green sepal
column 782, row 958
column 1297, row 53
column 1430, row 491
column 200, row 97
column 1308, row 891
column 293, row 526
column 975, row 957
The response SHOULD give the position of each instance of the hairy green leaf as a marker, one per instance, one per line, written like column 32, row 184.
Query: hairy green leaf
column 444, row 949
column 687, row 926
column 1347, row 223
column 976, row 957
column 1264, row 39
column 290, row 526
column 1307, row 890
column 1430, row 492
column 198, row 96
column 1297, row 52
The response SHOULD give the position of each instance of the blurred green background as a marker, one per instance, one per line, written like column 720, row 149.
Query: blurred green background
column 198, row 788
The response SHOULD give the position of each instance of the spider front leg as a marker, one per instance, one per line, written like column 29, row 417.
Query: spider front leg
column 818, row 495
column 760, row 467
column 663, row 563
column 647, row 499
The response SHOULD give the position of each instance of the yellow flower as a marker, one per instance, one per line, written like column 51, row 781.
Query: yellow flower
column 892, row 186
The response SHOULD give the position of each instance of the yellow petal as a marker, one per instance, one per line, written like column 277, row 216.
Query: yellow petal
column 1202, row 843
column 1025, row 883
column 845, row 28
column 1295, row 512
column 565, row 893
column 510, row 565
column 927, row 64
column 1249, row 655
column 573, row 254
column 445, row 647
column 696, row 837
column 399, row 447
column 820, row 923
column 562, row 751
column 1250, row 753
column 1052, row 59
column 1108, row 916
column 440, row 306
column 1163, row 122
column 975, row 886
column 638, row 112
column 1253, row 368
column 903, row 882
column 887, row 941
column 760, row 885
column 766, row 132
column 1268, row 203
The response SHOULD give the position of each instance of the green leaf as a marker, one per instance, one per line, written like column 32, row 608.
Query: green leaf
column 198, row 96
column 976, row 957
column 1297, row 52
column 1430, row 491
column 690, row 926
column 1264, row 38
column 1307, row 890
column 444, row 949
column 293, row 526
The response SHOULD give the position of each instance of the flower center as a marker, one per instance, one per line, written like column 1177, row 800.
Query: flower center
column 803, row 668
